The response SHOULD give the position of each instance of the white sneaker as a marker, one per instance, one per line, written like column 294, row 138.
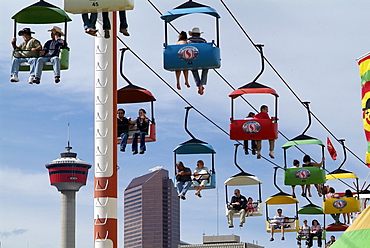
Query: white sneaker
column 14, row 79
column 30, row 79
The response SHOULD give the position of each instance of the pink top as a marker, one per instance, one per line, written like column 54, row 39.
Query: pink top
column 331, row 195
column 181, row 42
column 315, row 228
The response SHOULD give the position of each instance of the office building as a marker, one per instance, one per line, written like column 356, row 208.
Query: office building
column 151, row 212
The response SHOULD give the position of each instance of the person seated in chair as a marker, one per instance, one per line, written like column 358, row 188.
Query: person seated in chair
column 304, row 232
column 237, row 205
column 316, row 230
column 183, row 180
column 278, row 223
column 264, row 115
column 50, row 53
column 201, row 177
column 27, row 51
column 142, row 123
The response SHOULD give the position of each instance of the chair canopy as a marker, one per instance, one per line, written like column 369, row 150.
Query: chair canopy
column 189, row 7
column 41, row 13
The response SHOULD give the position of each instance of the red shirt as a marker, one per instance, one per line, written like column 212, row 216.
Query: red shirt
column 262, row 115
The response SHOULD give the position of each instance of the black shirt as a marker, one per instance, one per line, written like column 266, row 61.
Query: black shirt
column 184, row 178
column 242, row 200
column 122, row 126
column 142, row 126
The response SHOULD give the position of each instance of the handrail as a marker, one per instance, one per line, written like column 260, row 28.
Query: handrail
column 186, row 122
column 123, row 50
column 235, row 153
column 260, row 46
column 307, row 105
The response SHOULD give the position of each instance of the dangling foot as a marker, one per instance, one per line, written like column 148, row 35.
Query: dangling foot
column 178, row 86
column 124, row 32
column 36, row 80
column 200, row 90
column 57, row 79
column 106, row 33
column 187, row 84
column 309, row 194
column 91, row 31
column 14, row 79
column 259, row 155
column 272, row 154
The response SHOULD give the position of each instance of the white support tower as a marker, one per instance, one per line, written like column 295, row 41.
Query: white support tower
column 105, row 132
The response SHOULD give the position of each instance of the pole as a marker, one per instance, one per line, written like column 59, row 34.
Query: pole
column 105, row 132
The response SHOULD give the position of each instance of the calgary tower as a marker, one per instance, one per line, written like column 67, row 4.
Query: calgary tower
column 68, row 174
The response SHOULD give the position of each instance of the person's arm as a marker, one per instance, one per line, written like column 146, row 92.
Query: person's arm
column 13, row 42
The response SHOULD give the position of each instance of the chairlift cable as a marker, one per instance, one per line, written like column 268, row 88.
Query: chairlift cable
column 286, row 84
column 183, row 98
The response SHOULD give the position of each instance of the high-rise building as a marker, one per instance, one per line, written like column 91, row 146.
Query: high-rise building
column 152, row 212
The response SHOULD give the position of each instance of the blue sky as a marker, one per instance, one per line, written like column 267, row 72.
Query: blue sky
column 313, row 45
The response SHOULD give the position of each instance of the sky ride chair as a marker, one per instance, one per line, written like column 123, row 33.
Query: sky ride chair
column 254, row 128
column 194, row 147
column 282, row 198
column 89, row 6
column 304, row 175
column 341, row 204
column 44, row 13
column 194, row 56
column 244, row 179
column 135, row 94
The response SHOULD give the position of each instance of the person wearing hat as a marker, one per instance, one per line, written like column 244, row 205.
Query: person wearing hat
column 50, row 53
column 199, row 81
column 25, row 52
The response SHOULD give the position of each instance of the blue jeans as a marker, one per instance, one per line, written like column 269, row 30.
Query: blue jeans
column 89, row 22
column 123, row 143
column 17, row 61
column 122, row 18
column 203, row 79
column 42, row 60
column 182, row 187
column 142, row 141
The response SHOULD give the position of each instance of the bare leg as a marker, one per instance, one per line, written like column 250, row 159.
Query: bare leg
column 344, row 217
column 309, row 190
column 186, row 76
column 178, row 79
column 282, row 232
column 318, row 189
column 272, row 233
column 258, row 148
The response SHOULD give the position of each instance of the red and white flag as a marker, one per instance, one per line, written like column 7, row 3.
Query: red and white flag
column 331, row 149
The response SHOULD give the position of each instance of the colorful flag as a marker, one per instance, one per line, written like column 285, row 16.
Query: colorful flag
column 364, row 66
column 331, row 149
